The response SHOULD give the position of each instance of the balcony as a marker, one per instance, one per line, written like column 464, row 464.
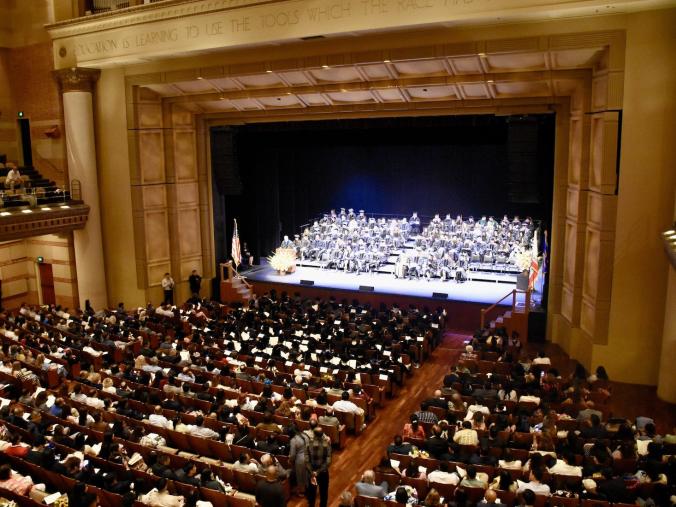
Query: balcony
column 24, row 222
column 38, row 206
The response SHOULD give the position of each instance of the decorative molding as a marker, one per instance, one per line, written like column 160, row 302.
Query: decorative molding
column 38, row 223
column 77, row 79
column 143, row 14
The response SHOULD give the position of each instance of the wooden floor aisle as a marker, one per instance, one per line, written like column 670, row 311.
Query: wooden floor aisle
column 366, row 451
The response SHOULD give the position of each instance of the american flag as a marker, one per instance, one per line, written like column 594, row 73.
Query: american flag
column 534, row 267
column 236, row 250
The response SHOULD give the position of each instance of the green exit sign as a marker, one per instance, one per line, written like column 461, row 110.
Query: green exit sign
column 41, row 259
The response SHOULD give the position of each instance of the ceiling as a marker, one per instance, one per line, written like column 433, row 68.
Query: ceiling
column 309, row 85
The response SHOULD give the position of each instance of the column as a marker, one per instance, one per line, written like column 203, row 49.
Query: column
column 76, row 86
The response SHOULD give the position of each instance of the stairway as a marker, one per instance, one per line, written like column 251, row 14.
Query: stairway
column 513, row 319
column 234, row 288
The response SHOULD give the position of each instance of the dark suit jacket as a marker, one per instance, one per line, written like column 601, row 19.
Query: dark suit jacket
column 437, row 447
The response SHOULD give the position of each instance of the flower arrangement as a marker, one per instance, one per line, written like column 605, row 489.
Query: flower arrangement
column 283, row 261
column 523, row 260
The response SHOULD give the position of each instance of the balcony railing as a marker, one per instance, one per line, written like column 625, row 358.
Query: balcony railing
column 89, row 7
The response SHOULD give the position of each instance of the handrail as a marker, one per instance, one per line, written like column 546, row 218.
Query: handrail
column 484, row 311
column 512, row 293
column 232, row 273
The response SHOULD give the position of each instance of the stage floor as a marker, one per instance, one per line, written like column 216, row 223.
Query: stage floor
column 473, row 291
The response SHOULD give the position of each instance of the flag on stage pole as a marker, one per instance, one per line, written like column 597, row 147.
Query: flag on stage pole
column 533, row 272
column 236, row 250
column 545, row 255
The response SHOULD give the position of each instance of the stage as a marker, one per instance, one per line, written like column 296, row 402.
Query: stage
column 471, row 291
column 462, row 301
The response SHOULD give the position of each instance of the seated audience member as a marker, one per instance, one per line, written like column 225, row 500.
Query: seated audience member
column 159, row 496
column 13, row 178
column 404, row 494
column 433, row 499
column 566, row 466
column 424, row 415
column 345, row 405
column 399, row 446
column 466, row 436
column 158, row 419
column 346, row 499
column 490, row 499
column 503, row 482
column 443, row 476
column 471, row 480
column 586, row 413
column 368, row 487
column 436, row 445
column 329, row 418
column 413, row 471
column 534, row 483
column 269, row 491
column 413, row 429
column 17, row 483
column 526, row 498
column 268, row 424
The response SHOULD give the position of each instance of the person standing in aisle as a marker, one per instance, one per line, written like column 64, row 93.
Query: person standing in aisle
column 168, row 288
column 195, row 282
column 318, row 460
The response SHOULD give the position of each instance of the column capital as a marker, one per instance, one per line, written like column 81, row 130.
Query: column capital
column 76, row 79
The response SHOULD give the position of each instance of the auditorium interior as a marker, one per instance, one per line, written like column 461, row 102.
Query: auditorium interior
column 475, row 195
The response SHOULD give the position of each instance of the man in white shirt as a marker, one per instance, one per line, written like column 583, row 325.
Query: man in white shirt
column 13, row 178
column 535, row 484
column 566, row 466
column 160, row 497
column 157, row 419
column 302, row 372
column 443, row 476
column 199, row 430
column 345, row 405
column 476, row 407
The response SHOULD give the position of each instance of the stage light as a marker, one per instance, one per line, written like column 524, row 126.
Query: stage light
column 200, row 77
column 482, row 55
column 269, row 71
column 325, row 67
column 490, row 81
column 5, row 214
column 221, row 97
column 26, row 211
column 45, row 208
column 65, row 206
column 386, row 61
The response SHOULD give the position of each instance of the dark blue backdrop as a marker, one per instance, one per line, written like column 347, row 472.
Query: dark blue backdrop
column 274, row 177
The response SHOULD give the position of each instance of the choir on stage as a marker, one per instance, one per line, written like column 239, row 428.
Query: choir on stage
column 446, row 248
